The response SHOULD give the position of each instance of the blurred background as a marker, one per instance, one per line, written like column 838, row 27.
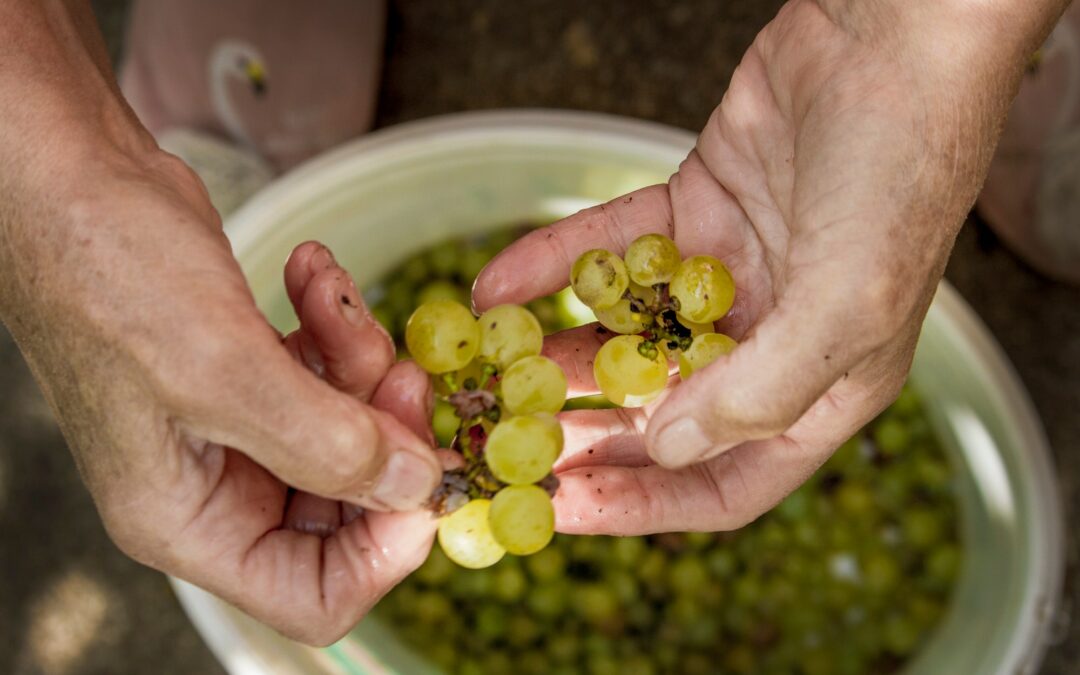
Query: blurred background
column 73, row 604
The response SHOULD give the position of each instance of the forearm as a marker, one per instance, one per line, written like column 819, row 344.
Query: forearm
column 72, row 158
column 57, row 87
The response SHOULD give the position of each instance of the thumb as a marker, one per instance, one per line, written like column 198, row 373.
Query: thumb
column 820, row 329
column 260, row 401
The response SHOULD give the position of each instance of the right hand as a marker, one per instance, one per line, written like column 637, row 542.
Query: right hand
column 190, row 421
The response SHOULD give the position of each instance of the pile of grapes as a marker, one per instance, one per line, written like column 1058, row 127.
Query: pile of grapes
column 663, row 307
column 505, row 396
column 849, row 575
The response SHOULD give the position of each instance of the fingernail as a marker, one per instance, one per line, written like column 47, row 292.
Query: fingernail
column 406, row 483
column 319, row 529
column 311, row 355
column 681, row 442
column 321, row 260
column 349, row 302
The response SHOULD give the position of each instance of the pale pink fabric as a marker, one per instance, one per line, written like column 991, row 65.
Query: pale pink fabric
column 1032, row 194
column 185, row 68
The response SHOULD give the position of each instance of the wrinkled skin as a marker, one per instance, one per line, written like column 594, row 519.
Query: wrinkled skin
column 832, row 180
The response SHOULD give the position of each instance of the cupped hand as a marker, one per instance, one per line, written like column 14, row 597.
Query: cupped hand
column 211, row 449
column 831, row 180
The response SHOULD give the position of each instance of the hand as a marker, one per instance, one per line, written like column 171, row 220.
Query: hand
column 832, row 180
column 203, row 442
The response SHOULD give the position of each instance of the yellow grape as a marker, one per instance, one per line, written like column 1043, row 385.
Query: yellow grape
column 704, row 288
column 644, row 293
column 704, row 350
column 652, row 259
column 442, row 336
column 509, row 333
column 522, row 450
column 620, row 318
column 465, row 536
column 625, row 376
column 522, row 519
column 695, row 329
column 535, row 384
column 599, row 278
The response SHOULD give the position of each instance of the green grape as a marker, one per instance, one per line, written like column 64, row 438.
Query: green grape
column 621, row 318
column 652, row 259
column 644, row 293
column 535, row 384
column 510, row 581
column 465, row 536
column 442, row 336
column 704, row 288
column 627, row 377
column 440, row 289
column 704, row 350
column 522, row 519
column 508, row 333
column 522, row 450
column 695, row 329
column 599, row 278
column 547, row 565
column 444, row 422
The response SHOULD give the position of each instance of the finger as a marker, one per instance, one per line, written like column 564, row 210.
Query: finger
column 306, row 260
column 614, row 437
column 406, row 393
column 575, row 350
column 340, row 338
column 539, row 263
column 312, row 514
column 829, row 319
column 723, row 493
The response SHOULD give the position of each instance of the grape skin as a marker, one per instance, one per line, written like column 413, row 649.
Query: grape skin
column 652, row 259
column 620, row 318
column 535, row 384
column 599, row 278
column 704, row 350
column 522, row 519
column 509, row 333
column 522, row 450
column 704, row 288
column 625, row 376
column 442, row 336
column 466, row 538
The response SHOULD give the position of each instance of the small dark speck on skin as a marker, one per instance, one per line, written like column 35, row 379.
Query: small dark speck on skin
column 345, row 300
column 588, row 475
column 628, row 200
column 577, row 349
column 599, row 510
column 845, row 376
column 599, row 491
column 626, row 513
column 826, row 357
column 493, row 324
column 590, row 451
column 550, row 235
column 461, row 345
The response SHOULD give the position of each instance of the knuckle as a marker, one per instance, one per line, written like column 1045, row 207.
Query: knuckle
column 756, row 420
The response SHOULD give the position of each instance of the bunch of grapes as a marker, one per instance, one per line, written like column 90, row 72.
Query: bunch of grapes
column 505, row 396
column 663, row 308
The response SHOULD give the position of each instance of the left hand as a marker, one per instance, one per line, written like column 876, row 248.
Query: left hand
column 832, row 180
